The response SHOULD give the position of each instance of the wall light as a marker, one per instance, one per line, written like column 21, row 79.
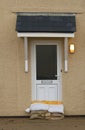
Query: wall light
column 72, row 48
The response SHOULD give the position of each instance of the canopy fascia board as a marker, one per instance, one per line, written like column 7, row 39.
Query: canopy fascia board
column 21, row 34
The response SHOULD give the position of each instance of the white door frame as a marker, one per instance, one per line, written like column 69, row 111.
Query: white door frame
column 33, row 64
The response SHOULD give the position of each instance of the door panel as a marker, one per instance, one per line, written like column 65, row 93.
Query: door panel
column 47, row 92
column 53, row 92
column 41, row 92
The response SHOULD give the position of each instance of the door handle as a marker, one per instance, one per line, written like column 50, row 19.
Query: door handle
column 57, row 76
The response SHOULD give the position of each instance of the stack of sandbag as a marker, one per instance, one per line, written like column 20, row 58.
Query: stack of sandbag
column 46, row 115
column 54, row 116
column 56, row 112
column 38, row 114
column 46, row 111
column 38, row 110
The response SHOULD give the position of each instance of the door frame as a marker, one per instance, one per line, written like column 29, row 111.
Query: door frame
column 33, row 64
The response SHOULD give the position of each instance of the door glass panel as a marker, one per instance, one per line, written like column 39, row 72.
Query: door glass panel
column 46, row 62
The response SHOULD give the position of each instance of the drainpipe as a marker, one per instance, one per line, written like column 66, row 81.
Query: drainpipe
column 26, row 53
column 66, row 54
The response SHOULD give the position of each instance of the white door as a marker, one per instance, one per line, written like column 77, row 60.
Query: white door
column 47, row 72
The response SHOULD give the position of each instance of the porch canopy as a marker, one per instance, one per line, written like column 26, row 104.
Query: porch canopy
column 45, row 26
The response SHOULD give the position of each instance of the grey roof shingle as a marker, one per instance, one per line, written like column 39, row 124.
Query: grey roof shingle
column 60, row 24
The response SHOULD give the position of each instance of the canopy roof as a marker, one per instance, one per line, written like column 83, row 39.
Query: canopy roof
column 47, row 24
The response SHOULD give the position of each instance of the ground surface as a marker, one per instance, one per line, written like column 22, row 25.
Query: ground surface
column 72, row 123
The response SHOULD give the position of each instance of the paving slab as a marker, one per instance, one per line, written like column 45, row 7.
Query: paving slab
column 68, row 123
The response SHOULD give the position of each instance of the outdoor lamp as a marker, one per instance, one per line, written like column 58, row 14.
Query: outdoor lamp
column 72, row 48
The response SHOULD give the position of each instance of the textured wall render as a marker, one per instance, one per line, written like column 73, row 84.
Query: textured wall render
column 15, row 85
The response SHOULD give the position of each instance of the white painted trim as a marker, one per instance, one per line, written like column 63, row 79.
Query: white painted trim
column 66, row 66
column 66, row 54
column 26, row 65
column 26, row 53
column 33, row 64
column 33, row 70
column 45, row 34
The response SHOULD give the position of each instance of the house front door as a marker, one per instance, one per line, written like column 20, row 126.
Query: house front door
column 47, row 79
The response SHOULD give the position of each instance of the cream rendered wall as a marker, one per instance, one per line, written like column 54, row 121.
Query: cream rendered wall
column 15, row 85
